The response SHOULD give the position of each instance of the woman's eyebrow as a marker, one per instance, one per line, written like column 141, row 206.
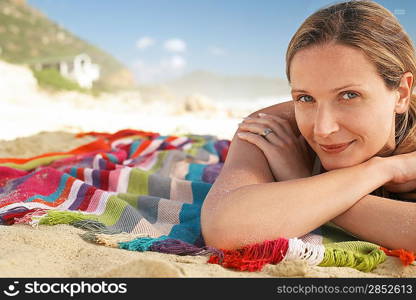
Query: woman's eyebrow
column 294, row 90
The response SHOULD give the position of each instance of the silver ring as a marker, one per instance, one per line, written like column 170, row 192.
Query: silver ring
column 266, row 132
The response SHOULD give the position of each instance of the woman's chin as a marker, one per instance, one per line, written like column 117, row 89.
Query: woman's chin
column 334, row 165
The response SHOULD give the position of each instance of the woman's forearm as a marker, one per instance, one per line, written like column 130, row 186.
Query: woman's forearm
column 254, row 213
column 386, row 222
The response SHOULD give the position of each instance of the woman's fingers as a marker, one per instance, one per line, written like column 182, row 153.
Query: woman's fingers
column 260, row 130
column 280, row 135
column 269, row 120
column 256, row 139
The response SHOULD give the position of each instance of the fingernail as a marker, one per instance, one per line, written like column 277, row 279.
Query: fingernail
column 242, row 134
column 247, row 118
column 262, row 114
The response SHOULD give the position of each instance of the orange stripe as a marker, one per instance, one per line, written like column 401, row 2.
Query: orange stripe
column 171, row 138
column 141, row 148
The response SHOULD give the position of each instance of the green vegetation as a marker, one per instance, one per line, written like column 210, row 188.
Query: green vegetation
column 51, row 79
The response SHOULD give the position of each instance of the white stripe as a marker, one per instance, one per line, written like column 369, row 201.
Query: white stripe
column 299, row 250
column 88, row 175
column 152, row 147
column 123, row 180
column 95, row 164
column 144, row 227
column 168, row 211
column 179, row 141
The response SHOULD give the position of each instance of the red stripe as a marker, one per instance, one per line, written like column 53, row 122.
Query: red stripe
column 104, row 179
column 87, row 198
column 80, row 174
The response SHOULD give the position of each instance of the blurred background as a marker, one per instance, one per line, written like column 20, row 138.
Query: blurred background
column 168, row 66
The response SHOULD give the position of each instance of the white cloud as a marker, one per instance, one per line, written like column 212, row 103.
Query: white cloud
column 217, row 51
column 145, row 42
column 174, row 63
column 164, row 69
column 175, row 45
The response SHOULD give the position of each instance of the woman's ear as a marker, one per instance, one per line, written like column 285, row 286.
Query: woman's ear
column 404, row 92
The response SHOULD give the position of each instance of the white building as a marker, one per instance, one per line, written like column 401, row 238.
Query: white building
column 78, row 68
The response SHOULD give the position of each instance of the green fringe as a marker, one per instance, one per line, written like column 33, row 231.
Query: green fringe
column 54, row 217
column 363, row 256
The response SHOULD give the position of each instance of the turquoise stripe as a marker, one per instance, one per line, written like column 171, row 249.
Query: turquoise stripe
column 189, row 228
column 195, row 172
column 52, row 197
column 200, row 191
column 73, row 172
column 134, row 147
column 112, row 158
column 210, row 147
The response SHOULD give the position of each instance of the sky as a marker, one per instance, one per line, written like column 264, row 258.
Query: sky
column 163, row 39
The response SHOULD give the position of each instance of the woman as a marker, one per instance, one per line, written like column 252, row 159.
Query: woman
column 340, row 151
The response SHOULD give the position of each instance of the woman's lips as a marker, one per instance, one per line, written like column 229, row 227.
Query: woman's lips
column 335, row 148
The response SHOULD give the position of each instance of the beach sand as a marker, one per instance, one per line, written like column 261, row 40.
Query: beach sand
column 59, row 251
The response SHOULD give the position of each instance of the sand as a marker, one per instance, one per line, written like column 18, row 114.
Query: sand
column 59, row 251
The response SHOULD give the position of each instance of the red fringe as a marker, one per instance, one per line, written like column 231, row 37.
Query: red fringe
column 252, row 257
column 9, row 219
column 407, row 257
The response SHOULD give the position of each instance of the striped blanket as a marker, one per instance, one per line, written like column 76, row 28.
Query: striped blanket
column 142, row 191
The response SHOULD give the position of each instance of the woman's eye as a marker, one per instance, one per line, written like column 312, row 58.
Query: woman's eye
column 349, row 95
column 306, row 98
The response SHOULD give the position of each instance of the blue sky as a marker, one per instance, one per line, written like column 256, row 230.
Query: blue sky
column 161, row 39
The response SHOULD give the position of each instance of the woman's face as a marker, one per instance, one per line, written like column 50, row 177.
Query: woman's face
column 340, row 98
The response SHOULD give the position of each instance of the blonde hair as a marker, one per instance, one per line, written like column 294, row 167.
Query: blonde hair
column 377, row 32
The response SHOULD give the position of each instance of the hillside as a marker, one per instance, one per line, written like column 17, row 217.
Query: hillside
column 27, row 36
column 228, row 87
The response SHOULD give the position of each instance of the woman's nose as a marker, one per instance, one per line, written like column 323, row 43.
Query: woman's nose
column 326, row 123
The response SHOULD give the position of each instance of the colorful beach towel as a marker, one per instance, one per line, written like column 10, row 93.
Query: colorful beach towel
column 142, row 191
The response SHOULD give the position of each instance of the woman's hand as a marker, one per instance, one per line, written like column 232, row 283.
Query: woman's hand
column 286, row 153
column 402, row 168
